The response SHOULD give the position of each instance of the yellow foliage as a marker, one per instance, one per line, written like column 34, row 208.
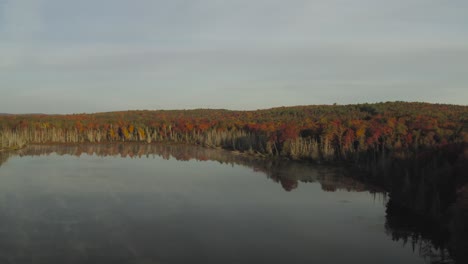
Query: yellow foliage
column 141, row 132
column 360, row 132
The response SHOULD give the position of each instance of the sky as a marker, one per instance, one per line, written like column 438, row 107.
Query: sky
column 68, row 56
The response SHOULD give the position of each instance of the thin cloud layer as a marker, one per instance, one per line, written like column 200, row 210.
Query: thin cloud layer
column 87, row 56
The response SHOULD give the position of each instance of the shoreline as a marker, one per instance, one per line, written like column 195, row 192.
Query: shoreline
column 13, row 148
column 251, row 153
column 248, row 154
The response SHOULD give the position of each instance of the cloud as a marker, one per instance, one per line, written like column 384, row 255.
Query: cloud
column 199, row 53
column 21, row 24
column 21, row 20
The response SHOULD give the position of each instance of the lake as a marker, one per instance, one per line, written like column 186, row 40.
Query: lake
column 183, row 204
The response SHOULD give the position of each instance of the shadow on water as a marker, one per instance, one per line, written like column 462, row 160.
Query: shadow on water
column 428, row 203
column 430, row 216
column 287, row 174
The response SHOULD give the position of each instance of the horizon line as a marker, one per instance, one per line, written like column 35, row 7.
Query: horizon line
column 225, row 109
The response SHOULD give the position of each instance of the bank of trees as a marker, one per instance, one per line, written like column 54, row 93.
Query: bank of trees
column 303, row 132
column 11, row 139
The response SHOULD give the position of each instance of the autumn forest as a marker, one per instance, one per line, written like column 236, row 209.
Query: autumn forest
column 315, row 133
column 417, row 152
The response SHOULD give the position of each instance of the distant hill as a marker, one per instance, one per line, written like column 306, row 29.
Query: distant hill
column 326, row 132
column 9, row 114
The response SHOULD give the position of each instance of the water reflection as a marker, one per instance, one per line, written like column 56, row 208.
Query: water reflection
column 287, row 174
column 435, row 242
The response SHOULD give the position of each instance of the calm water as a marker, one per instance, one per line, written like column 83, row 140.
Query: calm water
column 178, row 204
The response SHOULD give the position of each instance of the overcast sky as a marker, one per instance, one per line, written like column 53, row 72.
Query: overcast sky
column 65, row 56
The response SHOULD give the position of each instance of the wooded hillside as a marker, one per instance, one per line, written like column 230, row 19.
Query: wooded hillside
column 321, row 132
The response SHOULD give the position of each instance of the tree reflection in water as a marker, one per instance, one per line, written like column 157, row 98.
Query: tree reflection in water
column 440, row 238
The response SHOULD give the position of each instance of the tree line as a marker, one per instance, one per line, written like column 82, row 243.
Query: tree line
column 321, row 132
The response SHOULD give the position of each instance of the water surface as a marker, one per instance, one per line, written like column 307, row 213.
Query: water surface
column 180, row 204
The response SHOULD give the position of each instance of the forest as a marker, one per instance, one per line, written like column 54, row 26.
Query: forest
column 317, row 133
column 417, row 152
